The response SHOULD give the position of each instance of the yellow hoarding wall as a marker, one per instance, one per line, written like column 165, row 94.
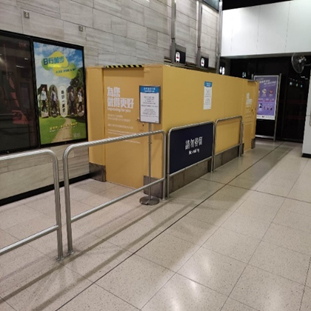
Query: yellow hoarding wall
column 95, row 113
column 182, row 102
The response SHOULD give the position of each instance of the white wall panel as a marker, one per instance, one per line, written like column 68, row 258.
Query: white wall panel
column 299, row 25
column 277, row 28
column 227, row 32
column 245, row 31
column 273, row 28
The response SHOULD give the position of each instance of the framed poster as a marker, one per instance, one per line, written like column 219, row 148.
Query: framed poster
column 60, row 92
column 267, row 97
column 149, row 99
column 18, row 127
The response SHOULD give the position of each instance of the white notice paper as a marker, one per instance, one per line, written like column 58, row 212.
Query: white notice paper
column 207, row 95
column 149, row 104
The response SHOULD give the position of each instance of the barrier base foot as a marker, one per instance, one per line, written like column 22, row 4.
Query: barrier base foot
column 149, row 200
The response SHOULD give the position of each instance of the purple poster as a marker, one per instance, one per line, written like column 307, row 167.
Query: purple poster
column 267, row 97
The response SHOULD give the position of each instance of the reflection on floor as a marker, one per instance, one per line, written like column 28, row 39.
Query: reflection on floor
column 238, row 239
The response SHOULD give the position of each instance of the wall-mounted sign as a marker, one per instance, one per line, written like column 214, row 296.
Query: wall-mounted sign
column 180, row 54
column 207, row 104
column 190, row 145
column 149, row 98
column 204, row 62
column 60, row 93
column 267, row 97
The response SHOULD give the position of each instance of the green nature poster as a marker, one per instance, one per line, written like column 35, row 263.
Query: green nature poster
column 60, row 92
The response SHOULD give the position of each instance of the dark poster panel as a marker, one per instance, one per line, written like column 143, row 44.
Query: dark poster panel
column 17, row 109
column 190, row 145
column 60, row 93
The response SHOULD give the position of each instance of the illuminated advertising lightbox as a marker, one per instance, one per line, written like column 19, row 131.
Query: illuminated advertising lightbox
column 60, row 93
column 267, row 97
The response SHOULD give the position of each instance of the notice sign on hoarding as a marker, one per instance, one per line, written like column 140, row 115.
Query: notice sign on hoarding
column 149, row 104
column 267, row 97
column 190, row 145
column 207, row 95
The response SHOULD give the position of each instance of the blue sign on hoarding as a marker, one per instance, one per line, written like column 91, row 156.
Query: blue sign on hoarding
column 190, row 145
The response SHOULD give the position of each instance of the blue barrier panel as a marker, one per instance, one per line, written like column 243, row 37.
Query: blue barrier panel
column 189, row 145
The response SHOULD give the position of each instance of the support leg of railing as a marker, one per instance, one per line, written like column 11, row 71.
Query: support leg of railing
column 164, row 166
column 67, row 201
column 57, row 208
column 168, row 165
column 241, row 138
column 214, row 147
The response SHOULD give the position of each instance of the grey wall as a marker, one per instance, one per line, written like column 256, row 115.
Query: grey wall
column 114, row 31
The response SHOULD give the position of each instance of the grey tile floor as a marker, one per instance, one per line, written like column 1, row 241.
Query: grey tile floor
column 238, row 239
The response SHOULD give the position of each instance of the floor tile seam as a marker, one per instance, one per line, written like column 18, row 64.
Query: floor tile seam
column 210, row 223
column 242, row 303
column 204, row 285
column 248, row 264
column 286, row 248
column 267, row 154
column 233, row 287
column 298, row 177
column 298, row 213
column 256, row 218
column 276, row 195
column 135, row 253
column 287, row 197
column 225, row 255
column 174, row 273
column 288, row 227
column 305, row 285
column 38, row 277
column 85, row 289
column 216, row 182
column 276, row 274
column 9, row 304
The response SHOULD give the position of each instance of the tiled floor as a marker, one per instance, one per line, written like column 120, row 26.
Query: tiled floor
column 238, row 239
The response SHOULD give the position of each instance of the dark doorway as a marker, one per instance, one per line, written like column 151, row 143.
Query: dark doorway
column 293, row 94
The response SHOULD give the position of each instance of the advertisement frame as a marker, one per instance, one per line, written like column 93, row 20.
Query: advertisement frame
column 33, row 39
column 65, row 45
column 275, row 120
column 276, row 96
column 34, row 80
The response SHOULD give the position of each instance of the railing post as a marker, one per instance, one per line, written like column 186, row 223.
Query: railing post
column 67, row 200
column 164, row 166
column 69, row 219
column 58, row 226
column 58, row 214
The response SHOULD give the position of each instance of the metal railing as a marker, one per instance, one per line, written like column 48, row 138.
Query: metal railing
column 58, row 226
column 69, row 219
column 240, row 144
column 168, row 152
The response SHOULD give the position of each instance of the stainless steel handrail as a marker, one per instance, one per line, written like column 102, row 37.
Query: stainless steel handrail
column 58, row 226
column 69, row 219
column 168, row 152
column 240, row 144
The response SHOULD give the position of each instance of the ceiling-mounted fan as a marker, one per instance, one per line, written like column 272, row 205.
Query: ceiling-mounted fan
column 299, row 62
